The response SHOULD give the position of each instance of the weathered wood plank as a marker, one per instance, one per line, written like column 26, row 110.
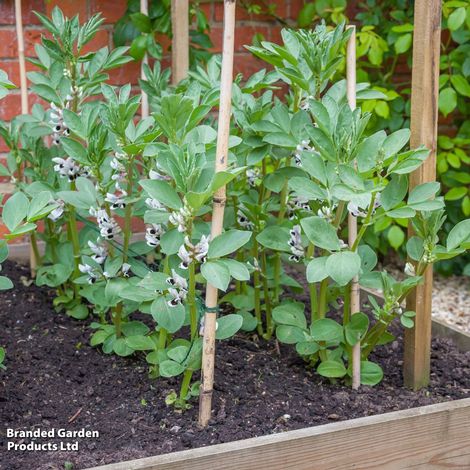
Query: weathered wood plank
column 432, row 437
column 424, row 113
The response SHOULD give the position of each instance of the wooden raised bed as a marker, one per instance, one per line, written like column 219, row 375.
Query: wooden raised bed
column 429, row 437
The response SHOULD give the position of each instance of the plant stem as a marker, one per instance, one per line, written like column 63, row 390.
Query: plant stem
column 117, row 318
column 322, row 301
column 267, row 299
column 185, row 384
column 128, row 214
column 347, row 304
column 34, row 245
column 257, row 287
column 365, row 224
column 192, row 300
column 312, row 288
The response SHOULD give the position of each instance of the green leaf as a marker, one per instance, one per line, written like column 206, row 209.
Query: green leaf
column 395, row 142
column 238, row 270
column 357, row 327
column 140, row 343
column 5, row 283
column 170, row 368
column 423, row 192
column 290, row 334
column 316, row 269
column 163, row 192
column 228, row 325
column 217, row 274
column 343, row 266
column 321, row 233
column 135, row 328
column 307, row 348
column 121, row 348
column 306, row 188
column 368, row 151
column 227, row 243
column 332, row 369
column 447, row 100
column 291, row 313
column 461, row 85
column 459, row 235
column 371, row 373
column 275, row 238
column 403, row 43
column 15, row 210
column 395, row 236
column 456, row 18
column 141, row 22
column 170, row 318
column 326, row 329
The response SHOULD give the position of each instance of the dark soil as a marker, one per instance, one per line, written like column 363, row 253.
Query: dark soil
column 53, row 374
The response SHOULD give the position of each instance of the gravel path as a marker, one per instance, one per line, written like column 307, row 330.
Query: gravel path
column 451, row 301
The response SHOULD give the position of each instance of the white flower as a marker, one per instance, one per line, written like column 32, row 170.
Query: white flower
column 181, row 218
column 201, row 249
column 125, row 268
column 89, row 271
column 410, row 269
column 116, row 201
column 68, row 168
column 177, row 296
column 152, row 203
column 244, row 222
column 185, row 257
column 251, row 175
column 355, row 211
column 109, row 228
column 295, row 244
column 57, row 213
column 155, row 175
column 153, row 234
column 99, row 252
column 177, row 281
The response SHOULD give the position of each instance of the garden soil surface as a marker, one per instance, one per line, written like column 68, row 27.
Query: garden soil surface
column 54, row 379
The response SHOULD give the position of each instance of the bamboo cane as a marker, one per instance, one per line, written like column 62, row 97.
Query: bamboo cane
column 210, row 320
column 352, row 221
column 24, row 97
column 180, row 42
column 144, row 104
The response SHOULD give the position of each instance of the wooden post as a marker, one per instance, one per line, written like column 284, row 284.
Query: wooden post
column 210, row 319
column 355, row 305
column 24, row 97
column 144, row 104
column 180, row 41
column 424, row 114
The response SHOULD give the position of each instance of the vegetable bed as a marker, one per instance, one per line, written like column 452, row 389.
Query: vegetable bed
column 56, row 375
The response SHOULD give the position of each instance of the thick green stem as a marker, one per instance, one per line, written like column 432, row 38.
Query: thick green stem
column 128, row 214
column 162, row 335
column 73, row 231
column 312, row 287
column 117, row 317
column 347, row 304
column 34, row 246
column 185, row 384
column 192, row 300
column 257, row 288
column 365, row 224
column 267, row 299
column 322, row 301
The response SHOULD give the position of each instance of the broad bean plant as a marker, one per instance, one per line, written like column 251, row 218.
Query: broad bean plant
column 123, row 203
